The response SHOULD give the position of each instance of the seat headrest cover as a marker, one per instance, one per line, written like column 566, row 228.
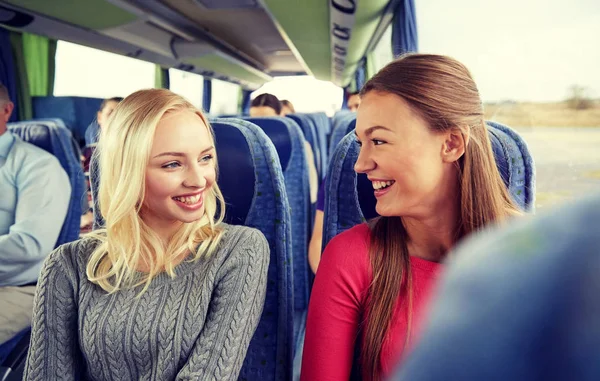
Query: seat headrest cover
column 236, row 176
column 276, row 130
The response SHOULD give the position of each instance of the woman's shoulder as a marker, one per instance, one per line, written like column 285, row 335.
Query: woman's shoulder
column 243, row 237
column 350, row 248
column 355, row 239
column 70, row 258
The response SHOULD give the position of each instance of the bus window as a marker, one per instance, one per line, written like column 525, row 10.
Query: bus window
column 87, row 72
column 306, row 93
column 224, row 98
column 188, row 85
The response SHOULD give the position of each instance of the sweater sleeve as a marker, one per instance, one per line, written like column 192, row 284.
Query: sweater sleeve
column 233, row 315
column 54, row 352
column 335, row 307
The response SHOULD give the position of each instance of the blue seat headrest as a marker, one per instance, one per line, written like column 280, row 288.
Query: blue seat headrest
column 276, row 130
column 37, row 134
column 234, row 157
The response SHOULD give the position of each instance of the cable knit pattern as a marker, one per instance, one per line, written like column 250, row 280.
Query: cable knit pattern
column 196, row 326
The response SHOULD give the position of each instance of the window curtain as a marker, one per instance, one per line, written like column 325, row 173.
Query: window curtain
column 207, row 95
column 23, row 101
column 8, row 76
column 38, row 54
column 161, row 78
column 404, row 28
column 244, row 108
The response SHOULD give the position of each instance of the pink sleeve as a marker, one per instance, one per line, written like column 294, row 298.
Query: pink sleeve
column 335, row 307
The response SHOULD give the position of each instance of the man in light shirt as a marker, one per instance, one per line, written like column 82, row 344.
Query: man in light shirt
column 34, row 199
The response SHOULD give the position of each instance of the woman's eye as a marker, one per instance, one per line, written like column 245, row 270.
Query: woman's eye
column 377, row 142
column 171, row 165
column 206, row 158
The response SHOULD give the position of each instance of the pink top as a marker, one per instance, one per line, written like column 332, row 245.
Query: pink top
column 337, row 302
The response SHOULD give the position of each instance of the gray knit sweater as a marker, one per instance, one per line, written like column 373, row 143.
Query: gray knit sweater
column 196, row 326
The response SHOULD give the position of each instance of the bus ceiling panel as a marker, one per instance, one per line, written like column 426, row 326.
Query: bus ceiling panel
column 332, row 36
column 89, row 14
column 219, row 63
column 306, row 24
column 244, row 25
column 185, row 49
column 362, row 18
column 144, row 35
column 49, row 27
column 13, row 18
column 172, row 17
column 227, row 4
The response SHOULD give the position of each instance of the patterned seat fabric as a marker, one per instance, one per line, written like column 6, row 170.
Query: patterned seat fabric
column 52, row 136
column 345, row 124
column 247, row 156
column 349, row 198
column 289, row 144
column 322, row 129
column 310, row 134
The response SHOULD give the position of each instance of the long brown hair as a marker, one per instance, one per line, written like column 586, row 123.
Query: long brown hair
column 443, row 92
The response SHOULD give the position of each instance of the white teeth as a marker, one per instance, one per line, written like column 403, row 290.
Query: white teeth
column 382, row 184
column 190, row 200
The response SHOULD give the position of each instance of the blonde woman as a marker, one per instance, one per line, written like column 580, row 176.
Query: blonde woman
column 166, row 291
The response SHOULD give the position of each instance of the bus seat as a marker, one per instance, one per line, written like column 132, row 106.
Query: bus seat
column 13, row 366
column 247, row 156
column 289, row 144
column 323, row 125
column 58, row 140
column 321, row 128
column 349, row 198
column 345, row 125
column 76, row 112
column 338, row 116
column 310, row 134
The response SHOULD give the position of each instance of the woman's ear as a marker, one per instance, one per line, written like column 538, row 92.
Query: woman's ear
column 455, row 144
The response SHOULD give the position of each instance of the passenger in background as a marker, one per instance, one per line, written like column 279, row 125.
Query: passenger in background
column 91, row 138
column 316, row 239
column 34, row 200
column 425, row 147
column 106, row 108
column 265, row 105
column 287, row 107
column 166, row 290
column 353, row 101
column 269, row 105
column 518, row 304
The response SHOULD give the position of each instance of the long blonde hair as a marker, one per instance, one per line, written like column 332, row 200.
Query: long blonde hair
column 442, row 91
column 126, row 242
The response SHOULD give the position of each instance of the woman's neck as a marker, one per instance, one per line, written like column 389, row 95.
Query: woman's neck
column 431, row 237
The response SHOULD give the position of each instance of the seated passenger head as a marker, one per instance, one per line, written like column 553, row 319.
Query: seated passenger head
column 106, row 108
column 287, row 107
column 158, row 190
column 6, row 108
column 265, row 105
column 425, row 144
column 353, row 101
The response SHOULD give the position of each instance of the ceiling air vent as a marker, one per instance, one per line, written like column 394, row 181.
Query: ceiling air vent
column 14, row 18
column 228, row 4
